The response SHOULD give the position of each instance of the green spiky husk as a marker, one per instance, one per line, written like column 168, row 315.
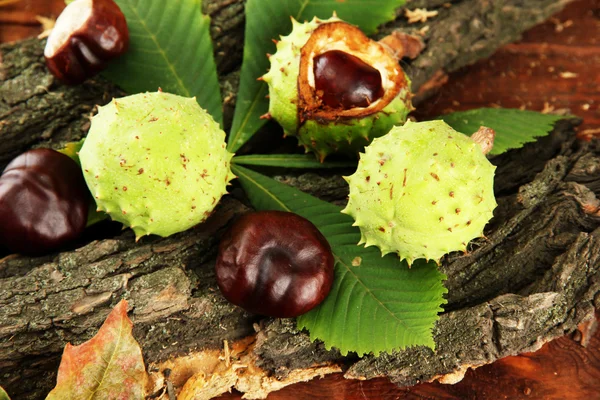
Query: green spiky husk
column 346, row 135
column 282, row 78
column 351, row 136
column 421, row 191
column 156, row 162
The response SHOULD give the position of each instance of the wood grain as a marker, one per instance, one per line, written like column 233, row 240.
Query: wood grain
column 18, row 19
column 555, row 66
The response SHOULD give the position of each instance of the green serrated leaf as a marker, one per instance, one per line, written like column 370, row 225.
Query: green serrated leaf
column 3, row 394
column 71, row 150
column 170, row 48
column 377, row 304
column 513, row 127
column 290, row 161
column 265, row 21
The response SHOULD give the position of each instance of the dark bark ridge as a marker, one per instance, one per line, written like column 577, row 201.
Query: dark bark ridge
column 533, row 279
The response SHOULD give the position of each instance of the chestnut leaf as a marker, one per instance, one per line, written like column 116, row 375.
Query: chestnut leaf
column 513, row 127
column 267, row 20
column 3, row 394
column 377, row 304
column 110, row 365
column 290, row 161
column 170, row 47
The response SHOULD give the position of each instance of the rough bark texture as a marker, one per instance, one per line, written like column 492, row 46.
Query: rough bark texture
column 535, row 277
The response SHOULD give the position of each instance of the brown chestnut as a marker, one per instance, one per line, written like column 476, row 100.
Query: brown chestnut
column 43, row 202
column 274, row 263
column 87, row 34
column 344, row 81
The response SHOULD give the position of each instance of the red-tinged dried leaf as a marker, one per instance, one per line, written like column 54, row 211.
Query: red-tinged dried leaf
column 3, row 395
column 108, row 366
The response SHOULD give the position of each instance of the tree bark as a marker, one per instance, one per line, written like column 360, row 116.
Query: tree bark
column 535, row 277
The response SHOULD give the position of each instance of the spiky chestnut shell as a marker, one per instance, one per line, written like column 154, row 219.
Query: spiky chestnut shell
column 294, row 102
column 421, row 191
column 156, row 162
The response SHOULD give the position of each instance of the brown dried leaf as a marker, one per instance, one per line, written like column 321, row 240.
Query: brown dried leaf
column 108, row 366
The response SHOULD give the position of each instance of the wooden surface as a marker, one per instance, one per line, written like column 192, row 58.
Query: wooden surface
column 555, row 66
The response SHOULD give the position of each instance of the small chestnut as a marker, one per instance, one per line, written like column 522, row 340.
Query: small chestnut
column 87, row 34
column 43, row 202
column 274, row 263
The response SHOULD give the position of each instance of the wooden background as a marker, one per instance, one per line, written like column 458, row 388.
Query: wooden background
column 555, row 66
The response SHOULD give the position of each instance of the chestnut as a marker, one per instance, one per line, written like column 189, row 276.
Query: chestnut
column 344, row 81
column 274, row 263
column 87, row 34
column 43, row 202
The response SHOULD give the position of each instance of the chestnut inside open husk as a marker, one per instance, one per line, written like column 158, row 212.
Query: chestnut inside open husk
column 345, row 81
column 44, row 202
column 274, row 263
column 357, row 64
column 334, row 88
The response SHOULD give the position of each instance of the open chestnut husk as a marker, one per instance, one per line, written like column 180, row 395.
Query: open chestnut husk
column 334, row 88
column 44, row 202
column 274, row 263
column 87, row 35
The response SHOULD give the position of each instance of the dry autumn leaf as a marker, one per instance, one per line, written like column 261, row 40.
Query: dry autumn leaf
column 108, row 366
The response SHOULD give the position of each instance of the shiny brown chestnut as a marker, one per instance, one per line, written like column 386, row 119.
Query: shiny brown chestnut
column 274, row 263
column 43, row 202
column 344, row 81
column 87, row 35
